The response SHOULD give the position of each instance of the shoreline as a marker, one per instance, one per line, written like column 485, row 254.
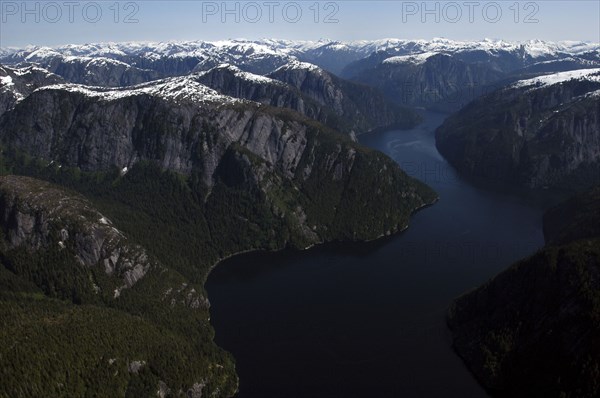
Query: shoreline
column 315, row 245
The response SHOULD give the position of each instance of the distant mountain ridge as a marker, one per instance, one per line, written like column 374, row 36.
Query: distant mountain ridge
column 439, row 74
column 315, row 49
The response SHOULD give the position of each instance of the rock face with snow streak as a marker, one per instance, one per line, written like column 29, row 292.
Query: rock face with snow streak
column 539, row 132
column 180, row 124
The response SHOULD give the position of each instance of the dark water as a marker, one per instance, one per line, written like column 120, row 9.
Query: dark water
column 367, row 320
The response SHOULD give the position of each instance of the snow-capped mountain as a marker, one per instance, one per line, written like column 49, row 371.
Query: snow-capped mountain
column 255, row 53
column 433, row 69
column 165, row 59
column 446, row 74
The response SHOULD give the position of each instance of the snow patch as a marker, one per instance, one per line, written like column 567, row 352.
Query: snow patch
column 416, row 59
column 299, row 65
column 592, row 75
column 247, row 76
column 6, row 81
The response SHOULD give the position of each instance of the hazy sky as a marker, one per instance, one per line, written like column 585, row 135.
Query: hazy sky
column 64, row 21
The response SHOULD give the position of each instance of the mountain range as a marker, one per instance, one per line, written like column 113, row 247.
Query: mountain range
column 439, row 73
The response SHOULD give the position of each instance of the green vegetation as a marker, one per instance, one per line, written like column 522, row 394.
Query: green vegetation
column 64, row 333
column 75, row 341
column 534, row 330
column 190, row 227
column 53, row 348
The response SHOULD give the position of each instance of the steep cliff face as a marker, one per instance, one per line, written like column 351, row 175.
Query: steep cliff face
column 18, row 83
column 76, row 293
column 541, row 132
column 187, row 128
column 95, row 128
column 534, row 330
column 312, row 92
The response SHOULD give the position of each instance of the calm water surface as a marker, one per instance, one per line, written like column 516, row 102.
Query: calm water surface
column 368, row 320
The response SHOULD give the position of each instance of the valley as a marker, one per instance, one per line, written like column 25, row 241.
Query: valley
column 287, row 218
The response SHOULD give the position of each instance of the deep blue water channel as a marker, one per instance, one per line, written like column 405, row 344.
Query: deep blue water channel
column 368, row 320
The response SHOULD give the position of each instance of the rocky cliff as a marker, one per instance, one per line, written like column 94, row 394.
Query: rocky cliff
column 540, row 132
column 534, row 330
column 77, row 293
column 36, row 215
column 183, row 176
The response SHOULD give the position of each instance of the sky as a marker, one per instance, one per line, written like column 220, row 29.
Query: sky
column 52, row 23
